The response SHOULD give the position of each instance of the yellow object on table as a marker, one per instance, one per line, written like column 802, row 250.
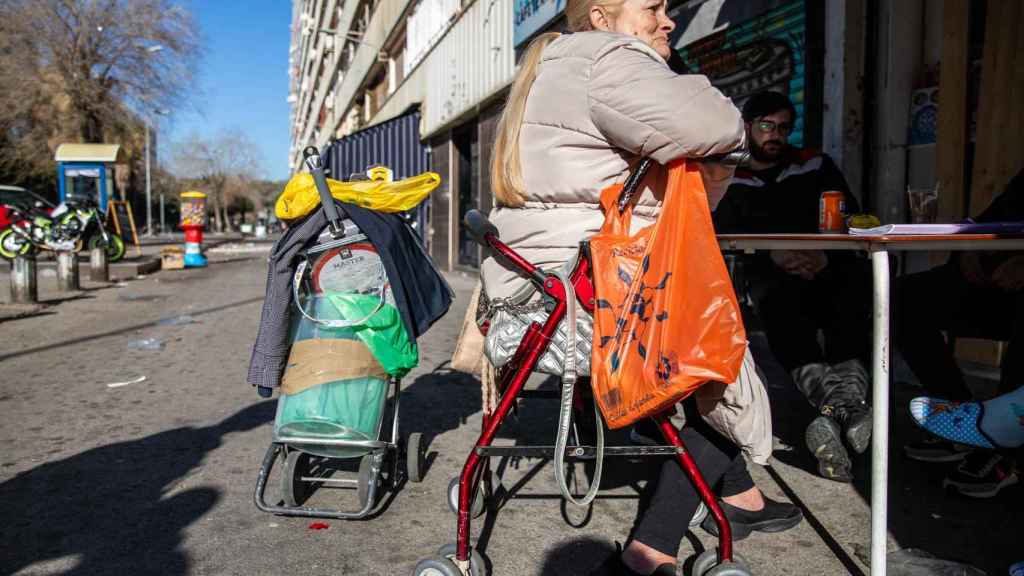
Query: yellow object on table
column 300, row 196
column 863, row 221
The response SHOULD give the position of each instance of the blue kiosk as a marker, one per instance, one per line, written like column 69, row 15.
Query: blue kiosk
column 87, row 170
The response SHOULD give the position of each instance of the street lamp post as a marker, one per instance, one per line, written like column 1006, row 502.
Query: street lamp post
column 149, row 198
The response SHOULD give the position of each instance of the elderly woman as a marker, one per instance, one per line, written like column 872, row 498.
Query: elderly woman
column 584, row 109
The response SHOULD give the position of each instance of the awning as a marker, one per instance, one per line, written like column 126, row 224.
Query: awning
column 110, row 153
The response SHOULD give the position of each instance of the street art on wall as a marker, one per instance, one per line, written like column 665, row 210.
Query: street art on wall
column 766, row 52
column 533, row 15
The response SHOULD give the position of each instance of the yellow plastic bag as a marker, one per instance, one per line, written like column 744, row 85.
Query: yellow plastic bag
column 301, row 198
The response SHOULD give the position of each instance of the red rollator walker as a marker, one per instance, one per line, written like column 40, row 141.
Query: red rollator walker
column 459, row 559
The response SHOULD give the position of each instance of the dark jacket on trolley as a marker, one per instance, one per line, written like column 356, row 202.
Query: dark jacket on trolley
column 421, row 294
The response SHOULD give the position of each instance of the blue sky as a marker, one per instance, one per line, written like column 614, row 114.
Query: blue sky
column 242, row 78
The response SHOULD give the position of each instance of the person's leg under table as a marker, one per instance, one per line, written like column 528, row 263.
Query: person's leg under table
column 926, row 304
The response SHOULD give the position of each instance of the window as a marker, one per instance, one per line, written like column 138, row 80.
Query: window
column 467, row 190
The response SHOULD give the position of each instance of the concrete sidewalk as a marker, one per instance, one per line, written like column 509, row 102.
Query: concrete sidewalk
column 103, row 472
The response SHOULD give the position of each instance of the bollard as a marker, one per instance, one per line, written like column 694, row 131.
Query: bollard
column 67, row 272
column 23, row 280
column 98, row 269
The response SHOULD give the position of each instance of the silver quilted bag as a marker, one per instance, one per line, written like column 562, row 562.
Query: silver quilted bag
column 511, row 317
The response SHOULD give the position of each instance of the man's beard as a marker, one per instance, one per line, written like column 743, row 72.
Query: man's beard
column 762, row 155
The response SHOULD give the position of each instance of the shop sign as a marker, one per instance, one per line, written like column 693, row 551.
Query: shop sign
column 532, row 16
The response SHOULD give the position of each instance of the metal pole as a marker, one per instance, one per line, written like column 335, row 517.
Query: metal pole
column 163, row 227
column 23, row 280
column 149, row 201
column 67, row 272
column 880, row 407
column 98, row 269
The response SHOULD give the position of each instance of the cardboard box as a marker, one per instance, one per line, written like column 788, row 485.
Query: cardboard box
column 172, row 258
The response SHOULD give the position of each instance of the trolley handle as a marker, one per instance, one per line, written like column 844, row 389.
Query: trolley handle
column 311, row 157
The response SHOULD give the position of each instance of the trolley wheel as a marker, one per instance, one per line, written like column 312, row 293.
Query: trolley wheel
column 366, row 477
column 483, row 491
column 415, row 456
column 477, row 564
column 293, row 490
column 707, row 563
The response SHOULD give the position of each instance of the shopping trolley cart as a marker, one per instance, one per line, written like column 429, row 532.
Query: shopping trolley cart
column 339, row 418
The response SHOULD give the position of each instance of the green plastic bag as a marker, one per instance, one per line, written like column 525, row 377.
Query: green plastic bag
column 383, row 333
column 344, row 410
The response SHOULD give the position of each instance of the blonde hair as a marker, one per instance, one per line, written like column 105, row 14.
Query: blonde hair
column 506, row 169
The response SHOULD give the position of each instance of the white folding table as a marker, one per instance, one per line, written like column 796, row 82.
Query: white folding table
column 878, row 247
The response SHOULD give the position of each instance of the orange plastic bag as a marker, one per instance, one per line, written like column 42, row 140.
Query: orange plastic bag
column 666, row 319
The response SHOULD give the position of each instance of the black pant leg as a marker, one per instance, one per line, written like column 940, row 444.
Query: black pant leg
column 843, row 293
column 670, row 499
column 1012, row 369
column 783, row 303
column 926, row 304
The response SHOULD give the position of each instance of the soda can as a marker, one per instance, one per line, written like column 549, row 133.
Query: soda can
column 831, row 210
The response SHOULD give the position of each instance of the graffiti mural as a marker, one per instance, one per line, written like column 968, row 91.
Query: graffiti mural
column 766, row 52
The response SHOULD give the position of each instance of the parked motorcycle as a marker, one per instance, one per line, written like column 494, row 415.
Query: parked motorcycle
column 71, row 226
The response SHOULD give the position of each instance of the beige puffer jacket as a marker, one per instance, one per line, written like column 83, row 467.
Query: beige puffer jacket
column 602, row 101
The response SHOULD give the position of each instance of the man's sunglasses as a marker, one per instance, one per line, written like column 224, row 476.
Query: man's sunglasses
column 769, row 126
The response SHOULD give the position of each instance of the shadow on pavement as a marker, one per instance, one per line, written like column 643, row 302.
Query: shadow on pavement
column 115, row 508
column 576, row 556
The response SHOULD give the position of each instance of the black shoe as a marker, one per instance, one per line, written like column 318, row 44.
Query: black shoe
column 825, row 442
column 982, row 475
column 774, row 517
column 855, row 420
column 614, row 566
column 934, row 449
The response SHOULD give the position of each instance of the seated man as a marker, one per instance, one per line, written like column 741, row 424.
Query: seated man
column 797, row 292
column 974, row 295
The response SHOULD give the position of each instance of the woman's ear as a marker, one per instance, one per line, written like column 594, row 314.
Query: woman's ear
column 599, row 19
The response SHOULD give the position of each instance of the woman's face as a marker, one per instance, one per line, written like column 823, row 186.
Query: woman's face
column 645, row 19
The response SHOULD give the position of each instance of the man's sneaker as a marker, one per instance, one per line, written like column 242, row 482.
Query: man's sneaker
column 982, row 475
column 825, row 441
column 935, row 449
column 855, row 420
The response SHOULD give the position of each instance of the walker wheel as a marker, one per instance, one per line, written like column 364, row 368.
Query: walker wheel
column 730, row 569
column 415, row 456
column 366, row 476
column 707, row 565
column 293, row 489
column 436, row 567
column 483, row 491
column 477, row 565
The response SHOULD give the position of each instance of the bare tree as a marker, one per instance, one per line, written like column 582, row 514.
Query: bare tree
column 106, row 54
column 222, row 165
